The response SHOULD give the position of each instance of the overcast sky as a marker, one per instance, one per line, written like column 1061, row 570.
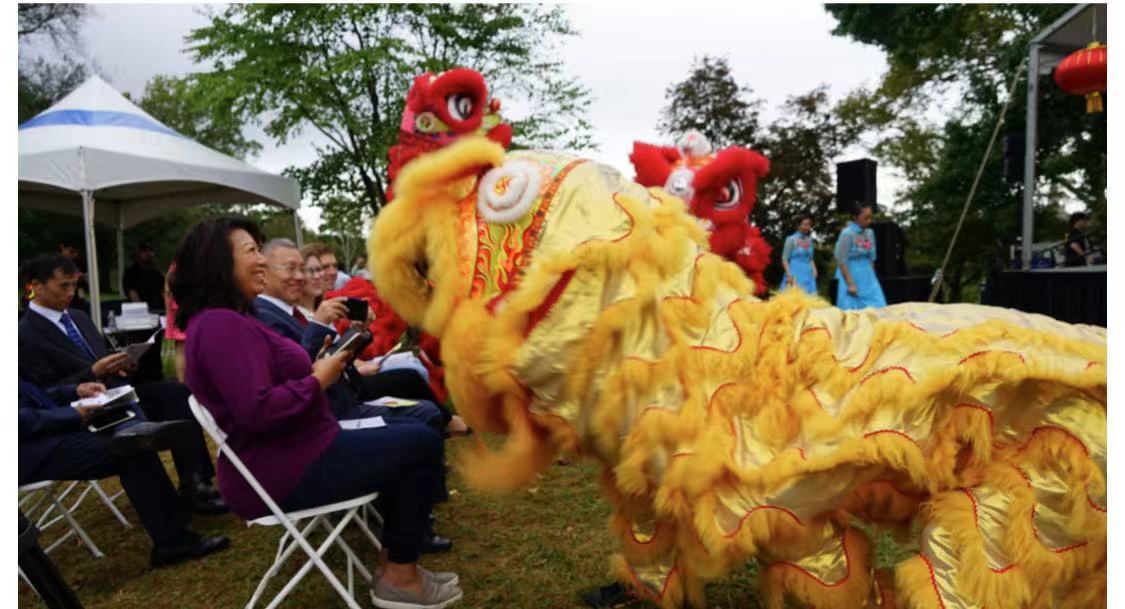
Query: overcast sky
column 626, row 54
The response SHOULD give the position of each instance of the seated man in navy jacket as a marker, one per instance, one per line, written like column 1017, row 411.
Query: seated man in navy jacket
column 59, row 345
column 54, row 445
column 276, row 307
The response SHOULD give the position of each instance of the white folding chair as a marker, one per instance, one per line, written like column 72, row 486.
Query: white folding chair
column 110, row 501
column 54, row 501
column 293, row 538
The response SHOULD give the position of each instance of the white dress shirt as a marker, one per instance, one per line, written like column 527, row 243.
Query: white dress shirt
column 284, row 306
column 55, row 317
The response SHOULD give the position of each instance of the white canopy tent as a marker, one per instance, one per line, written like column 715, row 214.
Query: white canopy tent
column 96, row 146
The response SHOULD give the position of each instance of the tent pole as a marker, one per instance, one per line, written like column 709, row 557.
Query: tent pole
column 121, row 249
column 92, row 259
column 1030, row 140
column 297, row 228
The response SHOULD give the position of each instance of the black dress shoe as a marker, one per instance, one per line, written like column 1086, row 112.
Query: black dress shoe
column 144, row 436
column 434, row 544
column 201, row 486
column 190, row 546
column 203, row 505
column 202, row 497
column 608, row 597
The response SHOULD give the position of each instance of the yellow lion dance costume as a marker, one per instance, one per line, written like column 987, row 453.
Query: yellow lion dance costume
column 581, row 312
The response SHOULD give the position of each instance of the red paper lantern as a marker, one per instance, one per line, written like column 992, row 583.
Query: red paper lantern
column 1083, row 72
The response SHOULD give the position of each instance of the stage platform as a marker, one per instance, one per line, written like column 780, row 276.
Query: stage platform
column 1074, row 294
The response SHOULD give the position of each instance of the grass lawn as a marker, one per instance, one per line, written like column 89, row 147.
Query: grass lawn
column 534, row 548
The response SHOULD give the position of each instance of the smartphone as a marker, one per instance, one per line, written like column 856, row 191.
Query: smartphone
column 357, row 309
column 110, row 417
column 353, row 340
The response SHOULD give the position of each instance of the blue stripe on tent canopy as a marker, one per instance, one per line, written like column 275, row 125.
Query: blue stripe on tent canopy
column 97, row 118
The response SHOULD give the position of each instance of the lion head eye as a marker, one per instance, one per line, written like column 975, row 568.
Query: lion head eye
column 729, row 196
column 460, row 106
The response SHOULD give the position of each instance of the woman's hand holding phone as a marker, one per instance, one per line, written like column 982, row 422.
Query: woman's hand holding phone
column 327, row 369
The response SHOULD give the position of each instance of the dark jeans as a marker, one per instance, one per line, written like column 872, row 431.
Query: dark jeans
column 87, row 456
column 168, row 401
column 424, row 413
column 402, row 462
column 401, row 383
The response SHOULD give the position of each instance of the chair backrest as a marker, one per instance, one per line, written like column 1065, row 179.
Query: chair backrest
column 207, row 422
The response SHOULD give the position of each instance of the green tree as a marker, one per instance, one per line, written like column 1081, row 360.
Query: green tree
column 58, row 22
column 712, row 102
column 968, row 53
column 801, row 145
column 344, row 223
column 343, row 70
column 180, row 104
column 42, row 82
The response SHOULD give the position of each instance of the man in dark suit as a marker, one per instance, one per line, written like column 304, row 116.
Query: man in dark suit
column 53, row 445
column 59, row 345
column 285, row 279
column 276, row 307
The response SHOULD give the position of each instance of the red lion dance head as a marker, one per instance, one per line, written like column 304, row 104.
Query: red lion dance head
column 440, row 109
column 720, row 188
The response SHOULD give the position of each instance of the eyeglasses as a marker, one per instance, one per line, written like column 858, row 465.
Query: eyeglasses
column 289, row 269
column 314, row 270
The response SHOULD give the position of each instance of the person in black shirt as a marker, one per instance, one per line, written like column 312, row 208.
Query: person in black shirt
column 143, row 282
column 1079, row 252
column 74, row 254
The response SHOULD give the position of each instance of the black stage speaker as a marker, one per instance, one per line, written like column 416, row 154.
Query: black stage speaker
column 855, row 183
column 890, row 249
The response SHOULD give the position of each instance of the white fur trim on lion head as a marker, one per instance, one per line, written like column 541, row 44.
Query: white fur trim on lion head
column 694, row 144
column 507, row 192
column 679, row 184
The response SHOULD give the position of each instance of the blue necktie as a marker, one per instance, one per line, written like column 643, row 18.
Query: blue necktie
column 74, row 336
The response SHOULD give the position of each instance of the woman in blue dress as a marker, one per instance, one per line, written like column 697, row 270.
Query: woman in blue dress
column 855, row 270
column 797, row 258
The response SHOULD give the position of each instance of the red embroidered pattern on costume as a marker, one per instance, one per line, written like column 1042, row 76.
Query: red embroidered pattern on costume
column 514, row 245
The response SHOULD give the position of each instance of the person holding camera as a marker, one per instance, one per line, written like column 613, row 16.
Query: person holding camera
column 268, row 396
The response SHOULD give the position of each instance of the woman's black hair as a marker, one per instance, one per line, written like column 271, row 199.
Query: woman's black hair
column 1077, row 217
column 801, row 218
column 858, row 209
column 204, row 275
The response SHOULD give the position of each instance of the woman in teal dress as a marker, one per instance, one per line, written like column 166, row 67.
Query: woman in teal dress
column 797, row 258
column 855, row 270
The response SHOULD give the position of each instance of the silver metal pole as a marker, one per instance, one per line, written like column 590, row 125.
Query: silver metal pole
column 92, row 259
column 121, row 250
column 1030, row 141
column 297, row 227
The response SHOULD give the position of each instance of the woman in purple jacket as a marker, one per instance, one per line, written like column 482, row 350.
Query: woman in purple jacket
column 268, row 398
